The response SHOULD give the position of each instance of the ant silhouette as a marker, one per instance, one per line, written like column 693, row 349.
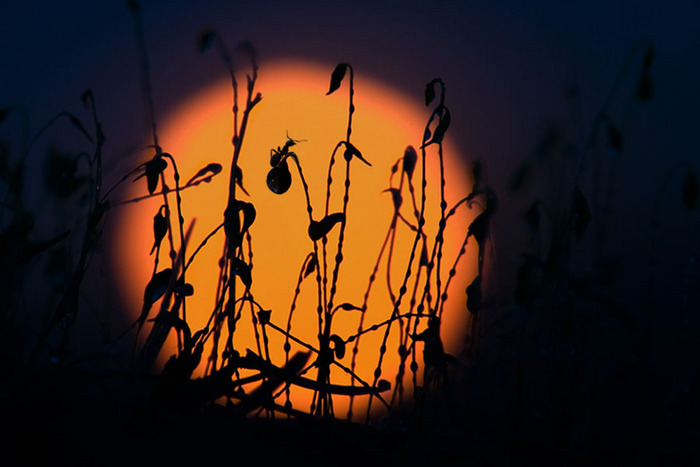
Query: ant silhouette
column 276, row 155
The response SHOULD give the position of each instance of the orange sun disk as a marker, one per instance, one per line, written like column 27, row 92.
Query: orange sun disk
column 294, row 103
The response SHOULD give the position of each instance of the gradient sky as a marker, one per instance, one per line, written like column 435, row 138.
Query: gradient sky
column 506, row 63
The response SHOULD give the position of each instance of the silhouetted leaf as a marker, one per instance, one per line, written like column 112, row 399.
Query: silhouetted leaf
column 339, row 348
column 439, row 133
column 205, row 174
column 157, row 286
column 205, row 40
column 152, row 171
column 160, row 227
column 429, row 92
column 238, row 176
column 479, row 227
column 474, row 295
column 350, row 306
column 310, row 266
column 409, row 161
column 395, row 197
column 235, row 230
column 383, row 385
column 318, row 230
column 690, row 190
column 336, row 77
column 242, row 270
column 185, row 290
column 264, row 317
column 582, row 213
column 351, row 151
column 615, row 139
column 279, row 179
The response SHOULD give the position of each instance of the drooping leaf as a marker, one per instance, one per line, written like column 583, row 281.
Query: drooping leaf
column 429, row 92
column 242, row 270
column 474, row 295
column 409, row 161
column 319, row 229
column 310, row 266
column 152, row 171
column 279, row 179
column 336, row 77
column 234, row 229
column 351, row 151
column 479, row 227
column 205, row 174
column 157, row 286
column 690, row 190
column 582, row 213
column 238, row 176
column 339, row 348
column 438, row 134
column 160, row 227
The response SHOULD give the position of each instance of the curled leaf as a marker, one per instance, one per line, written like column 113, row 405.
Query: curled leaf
column 205, row 174
column 409, row 161
column 339, row 348
column 234, row 229
column 383, row 385
column 264, row 317
column 337, row 77
column 690, row 190
column 319, row 229
column 351, row 151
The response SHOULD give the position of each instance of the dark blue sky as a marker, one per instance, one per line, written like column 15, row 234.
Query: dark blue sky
column 507, row 65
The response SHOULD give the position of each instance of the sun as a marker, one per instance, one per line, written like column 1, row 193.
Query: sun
column 295, row 105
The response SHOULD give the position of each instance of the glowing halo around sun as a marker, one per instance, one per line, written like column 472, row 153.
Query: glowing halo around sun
column 294, row 103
